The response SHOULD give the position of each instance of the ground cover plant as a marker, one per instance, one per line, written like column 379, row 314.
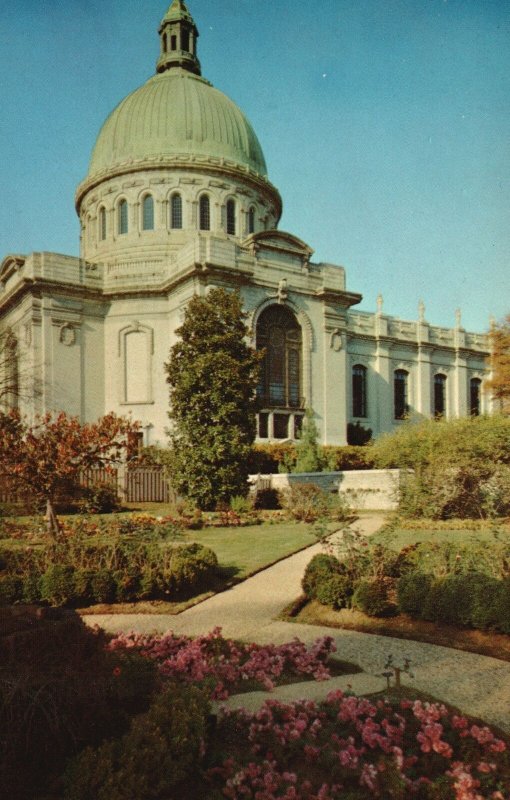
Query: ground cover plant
column 349, row 748
column 225, row 666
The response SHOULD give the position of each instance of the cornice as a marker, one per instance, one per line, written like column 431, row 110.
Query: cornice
column 187, row 162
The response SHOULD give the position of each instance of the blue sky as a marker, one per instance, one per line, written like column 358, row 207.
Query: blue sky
column 385, row 125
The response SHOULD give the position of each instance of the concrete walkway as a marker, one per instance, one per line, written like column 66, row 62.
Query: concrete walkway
column 477, row 685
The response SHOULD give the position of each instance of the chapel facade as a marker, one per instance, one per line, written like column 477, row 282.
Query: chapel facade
column 177, row 200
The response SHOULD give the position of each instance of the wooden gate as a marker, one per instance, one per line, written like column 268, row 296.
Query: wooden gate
column 146, row 485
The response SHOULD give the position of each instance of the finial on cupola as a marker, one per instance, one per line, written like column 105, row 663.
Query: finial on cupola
column 178, row 34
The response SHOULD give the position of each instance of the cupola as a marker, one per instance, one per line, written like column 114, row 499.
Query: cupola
column 178, row 34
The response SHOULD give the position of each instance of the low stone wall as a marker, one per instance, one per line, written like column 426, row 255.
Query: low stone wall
column 364, row 489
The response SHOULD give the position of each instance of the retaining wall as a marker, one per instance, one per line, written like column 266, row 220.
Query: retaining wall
column 364, row 489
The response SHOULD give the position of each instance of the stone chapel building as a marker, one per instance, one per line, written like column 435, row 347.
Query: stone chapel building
column 177, row 199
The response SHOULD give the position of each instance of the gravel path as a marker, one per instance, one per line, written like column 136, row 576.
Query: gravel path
column 477, row 685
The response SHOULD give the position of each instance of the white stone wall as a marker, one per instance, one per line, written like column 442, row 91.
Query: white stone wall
column 368, row 490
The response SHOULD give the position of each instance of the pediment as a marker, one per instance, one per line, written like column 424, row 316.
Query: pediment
column 278, row 240
column 11, row 263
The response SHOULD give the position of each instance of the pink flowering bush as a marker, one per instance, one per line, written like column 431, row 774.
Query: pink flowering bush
column 349, row 748
column 227, row 666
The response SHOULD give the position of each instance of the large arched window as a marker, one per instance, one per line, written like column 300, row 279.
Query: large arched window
column 231, row 217
column 400, row 393
column 359, row 391
column 122, row 217
column 475, row 385
column 204, row 213
column 102, row 223
column 439, row 395
column 279, row 334
column 148, row 213
column 176, row 211
column 251, row 220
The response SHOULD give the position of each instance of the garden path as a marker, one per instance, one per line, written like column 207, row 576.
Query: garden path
column 477, row 685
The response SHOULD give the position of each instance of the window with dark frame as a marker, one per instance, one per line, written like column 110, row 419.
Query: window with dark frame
column 204, row 213
column 122, row 212
column 148, row 213
column 231, row 217
column 475, row 385
column 279, row 335
column 176, row 211
column 439, row 395
column 359, row 391
column 400, row 392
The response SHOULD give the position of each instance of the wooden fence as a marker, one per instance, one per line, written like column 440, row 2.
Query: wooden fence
column 140, row 485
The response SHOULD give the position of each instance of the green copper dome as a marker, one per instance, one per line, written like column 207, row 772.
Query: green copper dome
column 176, row 113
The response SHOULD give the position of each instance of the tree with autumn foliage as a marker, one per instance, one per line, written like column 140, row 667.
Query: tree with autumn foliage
column 39, row 457
column 499, row 383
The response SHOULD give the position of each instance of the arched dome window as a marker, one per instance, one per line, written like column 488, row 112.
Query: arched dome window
column 204, row 213
column 148, row 213
column 359, row 391
column 122, row 217
column 439, row 395
column 279, row 334
column 176, row 211
column 231, row 217
column 102, row 223
column 251, row 220
column 400, row 393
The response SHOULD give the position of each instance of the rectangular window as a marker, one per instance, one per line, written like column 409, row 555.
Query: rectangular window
column 359, row 391
column 281, row 426
column 400, row 394
column 263, row 425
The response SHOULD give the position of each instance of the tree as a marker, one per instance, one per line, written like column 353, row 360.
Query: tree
column 499, row 384
column 308, row 455
column 39, row 457
column 213, row 374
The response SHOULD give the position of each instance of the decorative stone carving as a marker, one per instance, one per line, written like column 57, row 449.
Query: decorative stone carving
column 335, row 340
column 67, row 335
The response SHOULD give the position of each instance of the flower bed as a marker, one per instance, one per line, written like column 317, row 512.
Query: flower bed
column 349, row 748
column 226, row 666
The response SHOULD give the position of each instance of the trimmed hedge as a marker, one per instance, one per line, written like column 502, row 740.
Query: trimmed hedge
column 191, row 569
column 371, row 597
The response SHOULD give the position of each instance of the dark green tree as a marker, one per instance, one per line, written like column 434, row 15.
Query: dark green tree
column 307, row 450
column 213, row 375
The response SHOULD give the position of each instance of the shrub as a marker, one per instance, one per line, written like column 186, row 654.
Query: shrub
column 240, row 505
column 31, row 588
column 334, row 591
column 461, row 466
column 371, row 597
column 308, row 503
column 357, row 434
column 192, row 567
column 446, row 601
column 268, row 499
column 412, row 592
column 502, row 615
column 58, row 585
column 319, row 569
column 59, row 691
column 101, row 498
column 485, row 601
column 102, row 586
column 11, row 589
column 127, row 585
column 161, row 750
column 338, row 459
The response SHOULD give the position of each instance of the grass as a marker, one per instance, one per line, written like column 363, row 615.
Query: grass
column 398, row 537
column 241, row 552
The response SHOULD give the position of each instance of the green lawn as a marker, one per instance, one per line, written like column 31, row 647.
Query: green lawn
column 243, row 551
column 401, row 537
